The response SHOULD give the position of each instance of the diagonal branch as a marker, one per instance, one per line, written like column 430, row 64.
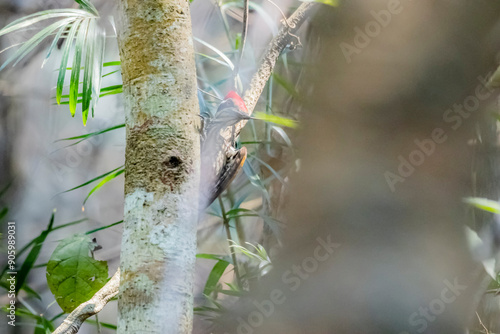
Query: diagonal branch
column 75, row 319
column 285, row 36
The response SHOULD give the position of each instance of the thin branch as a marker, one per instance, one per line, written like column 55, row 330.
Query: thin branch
column 276, row 46
column 481, row 323
column 75, row 319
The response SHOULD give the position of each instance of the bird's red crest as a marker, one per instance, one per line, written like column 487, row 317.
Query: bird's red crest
column 237, row 99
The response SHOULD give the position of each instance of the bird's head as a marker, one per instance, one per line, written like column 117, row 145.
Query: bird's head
column 237, row 100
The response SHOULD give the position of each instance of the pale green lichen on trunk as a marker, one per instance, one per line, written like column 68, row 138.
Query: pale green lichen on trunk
column 162, row 166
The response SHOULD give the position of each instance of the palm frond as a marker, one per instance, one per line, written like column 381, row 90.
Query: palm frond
column 83, row 36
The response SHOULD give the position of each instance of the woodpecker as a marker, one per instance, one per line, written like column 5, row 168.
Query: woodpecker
column 220, row 160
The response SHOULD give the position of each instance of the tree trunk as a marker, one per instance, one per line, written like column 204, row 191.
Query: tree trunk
column 162, row 167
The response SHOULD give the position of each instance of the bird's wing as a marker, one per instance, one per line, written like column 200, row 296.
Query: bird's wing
column 233, row 165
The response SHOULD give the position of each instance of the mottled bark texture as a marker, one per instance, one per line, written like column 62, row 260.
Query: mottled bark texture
column 162, row 167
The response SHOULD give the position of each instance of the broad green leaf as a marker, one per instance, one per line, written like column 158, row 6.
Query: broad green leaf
column 64, row 60
column 289, row 123
column 231, row 293
column 77, row 60
column 94, row 179
column 103, row 182
column 483, row 204
column 73, row 275
column 33, row 255
column 214, row 276
column 3, row 213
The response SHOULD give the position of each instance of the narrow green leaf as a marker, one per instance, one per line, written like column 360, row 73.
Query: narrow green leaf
column 72, row 275
column 214, row 277
column 333, row 3
column 69, row 224
column 287, row 85
column 111, row 90
column 33, row 255
column 214, row 257
column 30, row 44
column 104, row 90
column 75, row 72
column 110, row 73
column 88, row 71
column 213, row 59
column 26, row 21
column 54, row 44
column 269, row 167
column 112, row 63
column 92, row 134
column 100, row 40
column 104, row 227
column 30, row 291
column 88, row 6
column 283, row 135
column 219, row 52
column 103, row 182
column 237, row 41
column 255, row 180
column 64, row 60
column 484, row 204
column 289, row 123
column 90, row 181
